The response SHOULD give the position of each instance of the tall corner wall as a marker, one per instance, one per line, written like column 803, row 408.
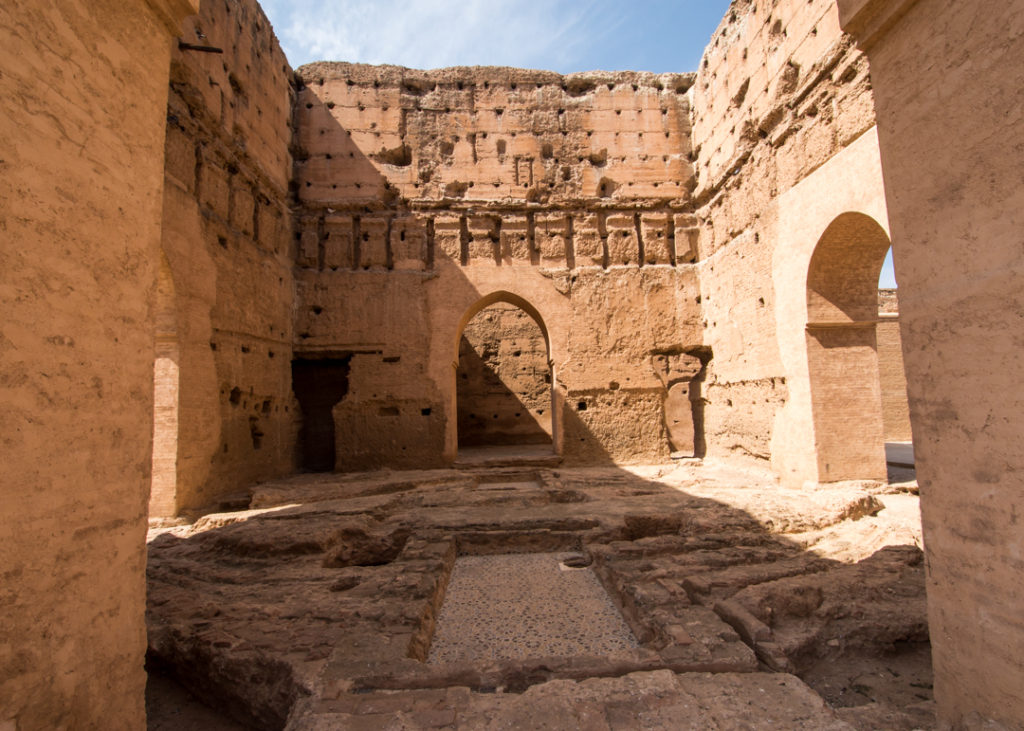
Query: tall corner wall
column 426, row 194
column 784, row 144
column 82, row 103
column 227, row 238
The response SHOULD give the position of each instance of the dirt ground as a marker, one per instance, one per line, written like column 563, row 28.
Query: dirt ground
column 316, row 607
column 169, row 707
column 867, row 687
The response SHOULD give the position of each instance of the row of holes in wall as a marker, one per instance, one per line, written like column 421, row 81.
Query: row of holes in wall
column 401, row 156
column 521, row 166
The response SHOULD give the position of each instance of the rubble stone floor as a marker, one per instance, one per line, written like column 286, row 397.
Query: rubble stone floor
column 700, row 596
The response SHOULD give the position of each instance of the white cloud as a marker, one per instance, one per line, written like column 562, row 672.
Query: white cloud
column 436, row 33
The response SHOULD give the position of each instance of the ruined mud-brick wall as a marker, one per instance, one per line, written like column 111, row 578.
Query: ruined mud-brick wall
column 82, row 98
column 503, row 382
column 226, row 238
column 779, row 93
column 895, row 410
column 422, row 192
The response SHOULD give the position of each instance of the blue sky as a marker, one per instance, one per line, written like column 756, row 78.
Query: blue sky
column 557, row 35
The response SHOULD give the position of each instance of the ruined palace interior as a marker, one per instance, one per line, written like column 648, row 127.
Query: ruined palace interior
column 355, row 396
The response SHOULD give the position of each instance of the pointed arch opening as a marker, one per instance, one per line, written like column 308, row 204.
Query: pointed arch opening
column 842, row 349
column 504, row 375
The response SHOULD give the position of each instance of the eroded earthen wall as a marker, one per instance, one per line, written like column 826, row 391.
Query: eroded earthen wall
column 782, row 103
column 227, row 239
column 82, row 103
column 423, row 192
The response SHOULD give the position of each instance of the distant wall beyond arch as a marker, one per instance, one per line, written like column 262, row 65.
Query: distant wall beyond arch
column 503, row 380
column 842, row 279
column 489, row 358
column 842, row 357
column 501, row 296
column 163, row 501
column 892, row 372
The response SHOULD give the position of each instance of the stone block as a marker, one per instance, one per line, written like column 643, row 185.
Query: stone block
column 409, row 242
column 483, row 239
column 271, row 224
column 551, row 231
column 308, row 254
column 448, row 237
column 214, row 189
column 373, row 242
column 515, row 240
column 587, row 242
column 338, row 242
column 180, row 158
column 242, row 205
column 687, row 236
column 623, row 247
column 657, row 232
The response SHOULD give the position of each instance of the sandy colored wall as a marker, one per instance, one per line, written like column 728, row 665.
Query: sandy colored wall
column 80, row 198
column 950, row 94
column 783, row 144
column 423, row 193
column 227, row 240
column 893, row 379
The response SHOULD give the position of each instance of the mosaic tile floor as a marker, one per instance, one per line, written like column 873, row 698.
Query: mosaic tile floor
column 519, row 606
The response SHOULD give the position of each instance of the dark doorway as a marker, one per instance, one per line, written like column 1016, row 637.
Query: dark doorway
column 318, row 385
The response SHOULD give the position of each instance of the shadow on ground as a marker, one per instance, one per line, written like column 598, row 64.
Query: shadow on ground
column 317, row 607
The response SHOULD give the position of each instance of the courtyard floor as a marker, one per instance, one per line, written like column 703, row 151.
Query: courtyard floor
column 686, row 595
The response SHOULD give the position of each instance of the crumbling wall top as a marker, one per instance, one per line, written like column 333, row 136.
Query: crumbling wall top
column 576, row 84
column 368, row 135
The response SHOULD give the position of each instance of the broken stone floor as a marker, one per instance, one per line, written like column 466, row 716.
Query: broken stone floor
column 699, row 596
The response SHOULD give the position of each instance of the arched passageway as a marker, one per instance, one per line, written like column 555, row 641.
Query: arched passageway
column 842, row 349
column 504, row 378
column 164, row 476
